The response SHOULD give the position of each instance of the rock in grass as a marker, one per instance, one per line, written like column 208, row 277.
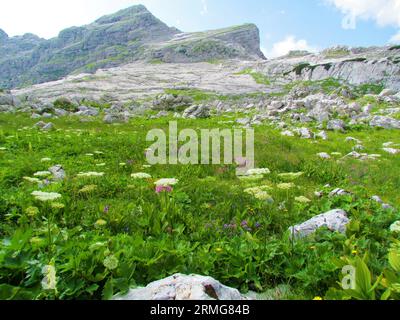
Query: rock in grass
column 183, row 287
column 391, row 150
column 335, row 220
column 57, row 172
column 384, row 122
column 336, row 125
column 197, row 112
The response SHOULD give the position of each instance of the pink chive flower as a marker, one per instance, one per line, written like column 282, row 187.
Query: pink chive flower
column 160, row 189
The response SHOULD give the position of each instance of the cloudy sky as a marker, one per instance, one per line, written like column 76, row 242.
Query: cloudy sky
column 285, row 25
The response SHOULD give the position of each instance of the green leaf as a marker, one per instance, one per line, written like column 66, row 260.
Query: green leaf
column 108, row 290
column 394, row 260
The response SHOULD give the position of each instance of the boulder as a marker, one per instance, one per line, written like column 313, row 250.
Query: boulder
column 335, row 220
column 183, row 287
column 336, row 125
column 58, row 172
column 384, row 122
column 197, row 112
column 6, row 98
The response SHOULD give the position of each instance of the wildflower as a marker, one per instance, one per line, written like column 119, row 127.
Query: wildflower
column 100, row 223
column 286, row 186
column 290, row 176
column 219, row 250
column 36, row 241
column 32, row 211
column 166, row 182
column 355, row 252
column 88, row 189
column 254, row 172
column 42, row 174
column 395, row 227
column 302, row 199
column 260, row 193
column 33, row 180
column 46, row 196
column 140, row 175
column 49, row 281
column 244, row 223
column 257, row 225
column 106, row 209
column 167, row 189
column 318, row 299
column 90, row 174
column 57, row 205
column 111, row 262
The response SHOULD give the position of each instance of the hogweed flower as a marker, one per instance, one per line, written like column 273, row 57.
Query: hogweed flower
column 49, row 281
column 166, row 182
column 46, row 196
column 140, row 175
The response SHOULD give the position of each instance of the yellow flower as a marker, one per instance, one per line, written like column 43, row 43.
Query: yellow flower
column 100, row 223
column 57, row 205
column 32, row 211
column 219, row 250
column 354, row 252
column 318, row 298
column 88, row 189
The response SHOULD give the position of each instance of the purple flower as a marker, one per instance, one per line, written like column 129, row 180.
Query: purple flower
column 227, row 226
column 106, row 209
column 160, row 189
column 258, row 225
column 244, row 223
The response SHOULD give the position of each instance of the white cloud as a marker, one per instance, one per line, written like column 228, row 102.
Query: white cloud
column 395, row 38
column 290, row 43
column 383, row 12
column 204, row 9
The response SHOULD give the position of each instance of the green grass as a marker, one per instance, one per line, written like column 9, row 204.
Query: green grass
column 257, row 76
column 154, row 236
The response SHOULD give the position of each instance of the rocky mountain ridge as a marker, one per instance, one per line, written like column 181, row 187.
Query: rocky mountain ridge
column 129, row 35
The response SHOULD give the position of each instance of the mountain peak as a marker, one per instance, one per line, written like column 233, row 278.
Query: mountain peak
column 3, row 35
column 124, row 14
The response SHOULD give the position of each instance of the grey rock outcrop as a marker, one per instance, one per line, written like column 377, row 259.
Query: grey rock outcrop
column 184, row 287
column 385, row 122
column 58, row 172
column 335, row 220
column 197, row 112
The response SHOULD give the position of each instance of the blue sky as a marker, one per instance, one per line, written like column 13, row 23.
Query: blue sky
column 284, row 25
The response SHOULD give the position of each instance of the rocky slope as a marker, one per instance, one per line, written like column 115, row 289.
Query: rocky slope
column 379, row 65
column 129, row 35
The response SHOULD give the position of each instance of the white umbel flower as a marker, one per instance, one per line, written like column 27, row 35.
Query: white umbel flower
column 46, row 196
column 140, row 175
column 166, row 182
